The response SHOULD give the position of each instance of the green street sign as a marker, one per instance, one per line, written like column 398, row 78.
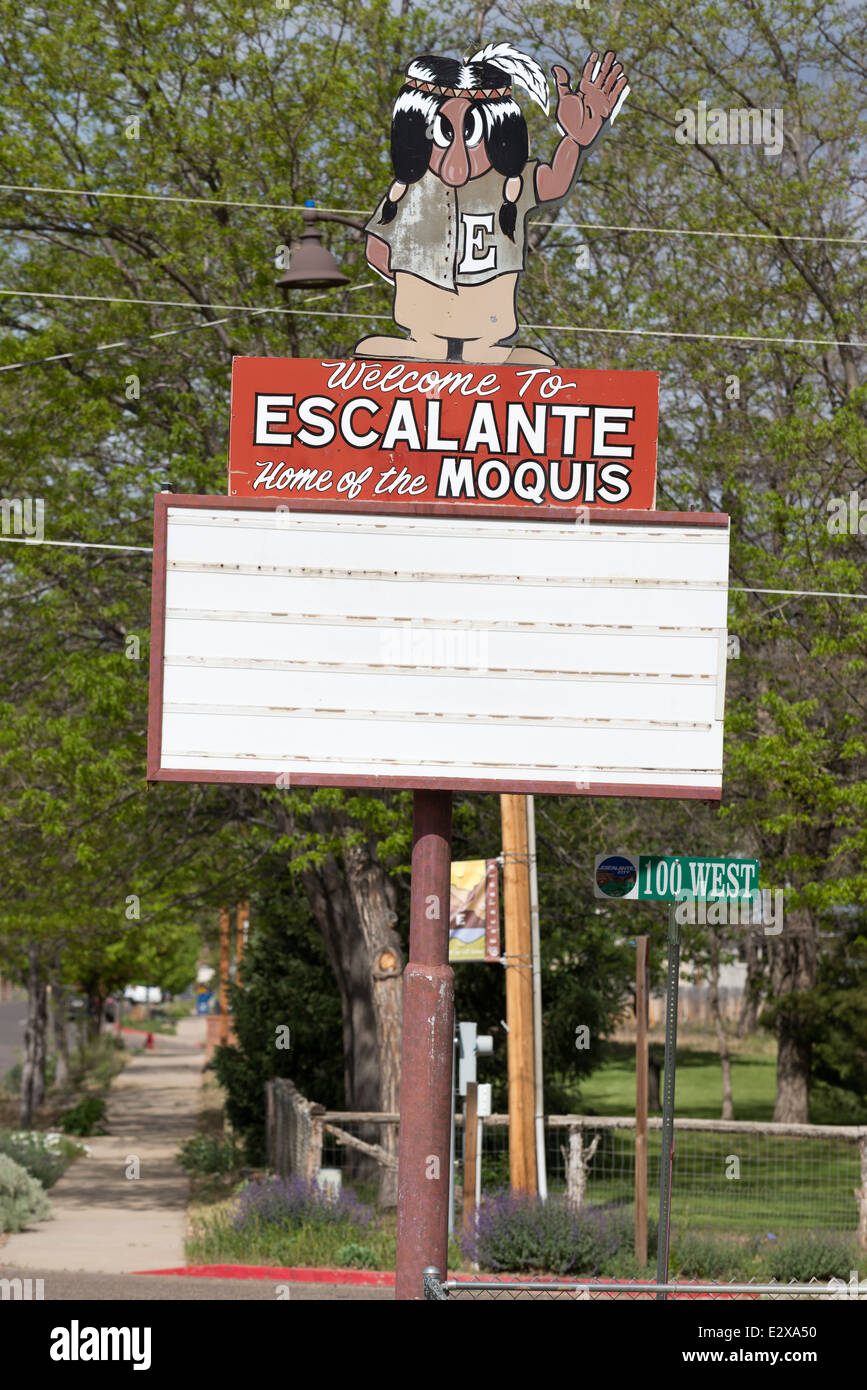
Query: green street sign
column 666, row 878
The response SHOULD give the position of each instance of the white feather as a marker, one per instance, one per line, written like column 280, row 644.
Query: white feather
column 519, row 66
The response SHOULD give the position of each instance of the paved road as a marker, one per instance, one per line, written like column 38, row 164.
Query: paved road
column 61, row 1285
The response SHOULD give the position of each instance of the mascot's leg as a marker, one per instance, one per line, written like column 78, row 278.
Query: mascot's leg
column 485, row 315
column 531, row 356
column 423, row 310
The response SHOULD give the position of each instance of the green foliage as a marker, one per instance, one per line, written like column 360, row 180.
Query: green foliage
column 205, row 1154
column 287, row 983
column 355, row 1256
column 216, row 1240
column 84, row 1117
column 695, row 1255
column 82, row 833
column 22, row 1199
column 806, row 1255
column 45, row 1156
column 97, row 1061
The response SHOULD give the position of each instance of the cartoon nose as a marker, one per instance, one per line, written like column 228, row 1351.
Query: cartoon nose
column 455, row 168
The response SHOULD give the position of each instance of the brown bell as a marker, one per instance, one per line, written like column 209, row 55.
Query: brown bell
column 312, row 265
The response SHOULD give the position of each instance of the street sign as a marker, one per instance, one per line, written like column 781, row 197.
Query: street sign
column 422, row 431
column 669, row 878
column 517, row 652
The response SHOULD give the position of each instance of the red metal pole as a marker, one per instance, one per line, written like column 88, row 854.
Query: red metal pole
column 426, row 1053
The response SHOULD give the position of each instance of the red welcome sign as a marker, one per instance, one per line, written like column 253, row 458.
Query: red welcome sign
column 352, row 430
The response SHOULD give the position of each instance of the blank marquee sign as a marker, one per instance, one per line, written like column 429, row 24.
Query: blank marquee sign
column 438, row 645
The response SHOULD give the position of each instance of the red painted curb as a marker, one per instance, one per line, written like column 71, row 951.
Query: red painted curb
column 299, row 1275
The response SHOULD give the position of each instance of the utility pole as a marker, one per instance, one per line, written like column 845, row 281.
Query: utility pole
column 519, row 993
column 224, row 975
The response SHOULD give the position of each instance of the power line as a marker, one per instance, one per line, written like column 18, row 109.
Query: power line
column 367, row 212
column 171, row 198
column 343, row 314
column 165, row 333
column 95, row 545
column 689, row 231
column 78, row 545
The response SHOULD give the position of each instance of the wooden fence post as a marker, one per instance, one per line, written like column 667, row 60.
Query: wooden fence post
column 314, row 1150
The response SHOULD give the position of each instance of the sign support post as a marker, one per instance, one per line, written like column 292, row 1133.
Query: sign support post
column 667, row 1155
column 641, row 973
column 428, row 1032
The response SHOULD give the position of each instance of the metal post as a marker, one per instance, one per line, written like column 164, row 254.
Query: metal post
column 641, row 993
column 667, row 1155
column 535, row 947
column 452, row 1138
column 427, row 1048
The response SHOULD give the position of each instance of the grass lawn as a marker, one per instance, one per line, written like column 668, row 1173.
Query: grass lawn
column 777, row 1183
column 698, row 1083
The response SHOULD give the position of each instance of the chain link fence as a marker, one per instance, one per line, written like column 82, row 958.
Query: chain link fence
column 471, row 1290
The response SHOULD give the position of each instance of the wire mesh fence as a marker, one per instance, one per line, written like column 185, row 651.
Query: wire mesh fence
column 732, row 1177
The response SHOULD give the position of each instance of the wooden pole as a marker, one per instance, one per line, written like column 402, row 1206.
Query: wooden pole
column 519, row 993
column 224, row 975
column 426, row 1053
column 241, row 925
column 471, row 1115
column 641, row 993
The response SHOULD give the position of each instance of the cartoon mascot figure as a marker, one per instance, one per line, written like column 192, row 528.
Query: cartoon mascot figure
column 451, row 233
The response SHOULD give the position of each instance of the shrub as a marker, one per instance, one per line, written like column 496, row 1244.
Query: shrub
column 293, row 1202
column 356, row 1256
column 807, row 1255
column 516, row 1232
column 210, row 1154
column 84, row 1117
column 695, row 1256
column 22, row 1199
column 45, row 1156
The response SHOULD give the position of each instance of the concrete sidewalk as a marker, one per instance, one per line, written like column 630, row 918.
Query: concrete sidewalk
column 103, row 1220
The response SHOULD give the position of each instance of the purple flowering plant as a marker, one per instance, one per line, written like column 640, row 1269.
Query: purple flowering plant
column 295, row 1201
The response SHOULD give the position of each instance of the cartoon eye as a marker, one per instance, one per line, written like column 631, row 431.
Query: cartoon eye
column 472, row 128
column 443, row 133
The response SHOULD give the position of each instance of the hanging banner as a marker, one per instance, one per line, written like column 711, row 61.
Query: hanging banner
column 370, row 431
column 474, row 911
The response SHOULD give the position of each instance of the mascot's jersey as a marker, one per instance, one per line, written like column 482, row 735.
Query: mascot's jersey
column 451, row 236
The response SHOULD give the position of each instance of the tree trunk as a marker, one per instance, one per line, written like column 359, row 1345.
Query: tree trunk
column 748, row 1020
column 793, row 970
column 725, row 1060
column 58, row 1017
column 374, row 897
column 353, row 903
column 33, row 1066
column 95, row 1009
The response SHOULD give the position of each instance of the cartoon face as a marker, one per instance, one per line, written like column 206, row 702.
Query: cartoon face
column 458, row 149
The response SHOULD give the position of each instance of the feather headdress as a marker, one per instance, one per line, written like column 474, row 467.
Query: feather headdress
column 520, row 68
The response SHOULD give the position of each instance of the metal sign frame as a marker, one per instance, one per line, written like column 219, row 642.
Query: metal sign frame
column 656, row 521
